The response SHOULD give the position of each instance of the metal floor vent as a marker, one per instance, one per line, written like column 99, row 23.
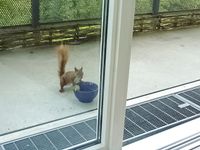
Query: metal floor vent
column 141, row 121
column 160, row 114
column 57, row 139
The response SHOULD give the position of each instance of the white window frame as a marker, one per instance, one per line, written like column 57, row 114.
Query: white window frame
column 118, row 50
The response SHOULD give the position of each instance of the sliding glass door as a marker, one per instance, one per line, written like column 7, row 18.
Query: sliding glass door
column 64, row 74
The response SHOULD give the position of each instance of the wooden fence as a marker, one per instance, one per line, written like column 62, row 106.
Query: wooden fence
column 82, row 30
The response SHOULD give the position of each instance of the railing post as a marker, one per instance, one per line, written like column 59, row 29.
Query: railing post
column 35, row 13
column 155, row 7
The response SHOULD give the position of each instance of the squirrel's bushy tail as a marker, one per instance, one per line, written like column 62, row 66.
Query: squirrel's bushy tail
column 63, row 54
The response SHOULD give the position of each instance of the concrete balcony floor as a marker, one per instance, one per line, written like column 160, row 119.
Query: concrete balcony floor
column 29, row 85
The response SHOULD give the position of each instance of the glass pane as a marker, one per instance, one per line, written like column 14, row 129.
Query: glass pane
column 163, row 59
column 52, row 74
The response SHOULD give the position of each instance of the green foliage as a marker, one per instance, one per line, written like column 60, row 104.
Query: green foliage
column 143, row 6
column 64, row 10
column 176, row 5
column 15, row 12
column 18, row 12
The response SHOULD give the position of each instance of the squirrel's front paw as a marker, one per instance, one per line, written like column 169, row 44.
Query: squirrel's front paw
column 61, row 90
column 76, row 88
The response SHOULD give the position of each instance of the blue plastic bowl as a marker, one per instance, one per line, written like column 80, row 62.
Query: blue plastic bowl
column 88, row 91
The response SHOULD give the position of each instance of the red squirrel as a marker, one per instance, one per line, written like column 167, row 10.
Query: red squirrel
column 69, row 77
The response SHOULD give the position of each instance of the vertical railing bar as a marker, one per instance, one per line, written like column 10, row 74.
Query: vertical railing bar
column 155, row 7
column 35, row 13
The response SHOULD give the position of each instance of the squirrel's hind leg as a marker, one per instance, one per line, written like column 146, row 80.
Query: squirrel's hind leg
column 61, row 86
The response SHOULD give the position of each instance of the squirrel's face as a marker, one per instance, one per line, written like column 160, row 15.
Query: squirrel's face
column 79, row 74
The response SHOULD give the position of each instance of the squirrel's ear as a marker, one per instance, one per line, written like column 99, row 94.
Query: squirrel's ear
column 81, row 69
column 75, row 69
